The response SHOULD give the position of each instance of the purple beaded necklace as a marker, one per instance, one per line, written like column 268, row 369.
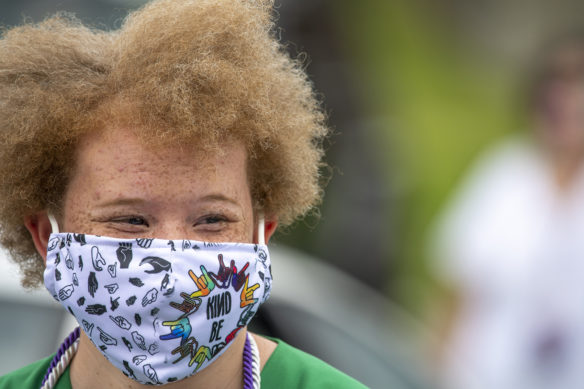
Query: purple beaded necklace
column 69, row 347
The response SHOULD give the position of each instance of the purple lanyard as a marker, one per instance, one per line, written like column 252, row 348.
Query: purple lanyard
column 247, row 358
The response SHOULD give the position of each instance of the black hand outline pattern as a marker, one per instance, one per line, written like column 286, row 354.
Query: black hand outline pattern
column 53, row 243
column 124, row 254
column 262, row 255
column 97, row 259
column 107, row 338
column 112, row 288
column 80, row 238
column 139, row 340
column 158, row 264
column 114, row 303
column 164, row 282
column 138, row 359
column 151, row 373
column 186, row 244
column 168, row 292
column 66, row 292
column 171, row 244
column 150, row 297
column 92, row 284
column 136, row 282
column 111, row 269
column 128, row 344
column 87, row 327
column 145, row 243
column 96, row 309
column 121, row 322
column 154, row 349
column 129, row 372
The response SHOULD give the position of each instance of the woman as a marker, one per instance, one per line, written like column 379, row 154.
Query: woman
column 510, row 245
column 142, row 171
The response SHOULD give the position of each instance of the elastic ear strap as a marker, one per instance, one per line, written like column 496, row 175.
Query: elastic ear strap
column 54, row 224
column 261, row 230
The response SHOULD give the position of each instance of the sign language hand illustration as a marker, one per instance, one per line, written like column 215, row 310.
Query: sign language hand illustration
column 202, row 353
column 97, row 259
column 240, row 277
column 180, row 328
column 204, row 282
column 247, row 294
column 149, row 297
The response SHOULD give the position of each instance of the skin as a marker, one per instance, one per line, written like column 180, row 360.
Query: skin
column 560, row 130
column 123, row 189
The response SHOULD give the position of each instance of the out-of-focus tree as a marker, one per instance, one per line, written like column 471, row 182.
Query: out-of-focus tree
column 440, row 105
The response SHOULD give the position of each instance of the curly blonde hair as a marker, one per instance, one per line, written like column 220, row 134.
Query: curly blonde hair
column 193, row 72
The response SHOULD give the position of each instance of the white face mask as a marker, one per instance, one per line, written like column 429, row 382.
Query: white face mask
column 159, row 310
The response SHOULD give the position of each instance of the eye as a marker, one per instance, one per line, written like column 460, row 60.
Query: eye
column 133, row 220
column 136, row 221
column 213, row 219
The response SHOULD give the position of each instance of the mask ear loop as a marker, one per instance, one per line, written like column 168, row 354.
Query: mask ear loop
column 261, row 230
column 54, row 224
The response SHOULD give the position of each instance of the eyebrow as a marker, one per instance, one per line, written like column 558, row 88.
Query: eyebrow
column 139, row 201
column 123, row 201
column 219, row 197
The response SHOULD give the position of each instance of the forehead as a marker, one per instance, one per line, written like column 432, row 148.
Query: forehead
column 116, row 161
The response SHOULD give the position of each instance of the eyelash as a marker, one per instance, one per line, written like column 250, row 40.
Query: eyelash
column 133, row 218
column 210, row 219
column 129, row 219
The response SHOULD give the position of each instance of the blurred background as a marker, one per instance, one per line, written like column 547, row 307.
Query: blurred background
column 417, row 92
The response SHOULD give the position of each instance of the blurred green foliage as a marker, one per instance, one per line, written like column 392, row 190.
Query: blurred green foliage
column 441, row 107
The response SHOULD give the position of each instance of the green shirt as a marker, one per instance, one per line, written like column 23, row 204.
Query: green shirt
column 287, row 368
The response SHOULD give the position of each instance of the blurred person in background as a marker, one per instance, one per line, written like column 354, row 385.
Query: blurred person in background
column 130, row 160
column 511, row 246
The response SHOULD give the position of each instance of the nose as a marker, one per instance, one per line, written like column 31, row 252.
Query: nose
column 172, row 229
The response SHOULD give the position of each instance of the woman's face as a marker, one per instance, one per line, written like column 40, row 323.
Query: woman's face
column 123, row 189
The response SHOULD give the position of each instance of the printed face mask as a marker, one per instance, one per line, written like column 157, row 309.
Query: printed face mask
column 159, row 310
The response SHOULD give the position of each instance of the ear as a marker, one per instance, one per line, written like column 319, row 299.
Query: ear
column 270, row 228
column 40, row 229
column 270, row 225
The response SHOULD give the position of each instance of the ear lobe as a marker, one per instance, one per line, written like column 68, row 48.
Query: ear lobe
column 270, row 228
column 40, row 229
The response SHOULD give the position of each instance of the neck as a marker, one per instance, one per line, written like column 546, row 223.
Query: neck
column 90, row 369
